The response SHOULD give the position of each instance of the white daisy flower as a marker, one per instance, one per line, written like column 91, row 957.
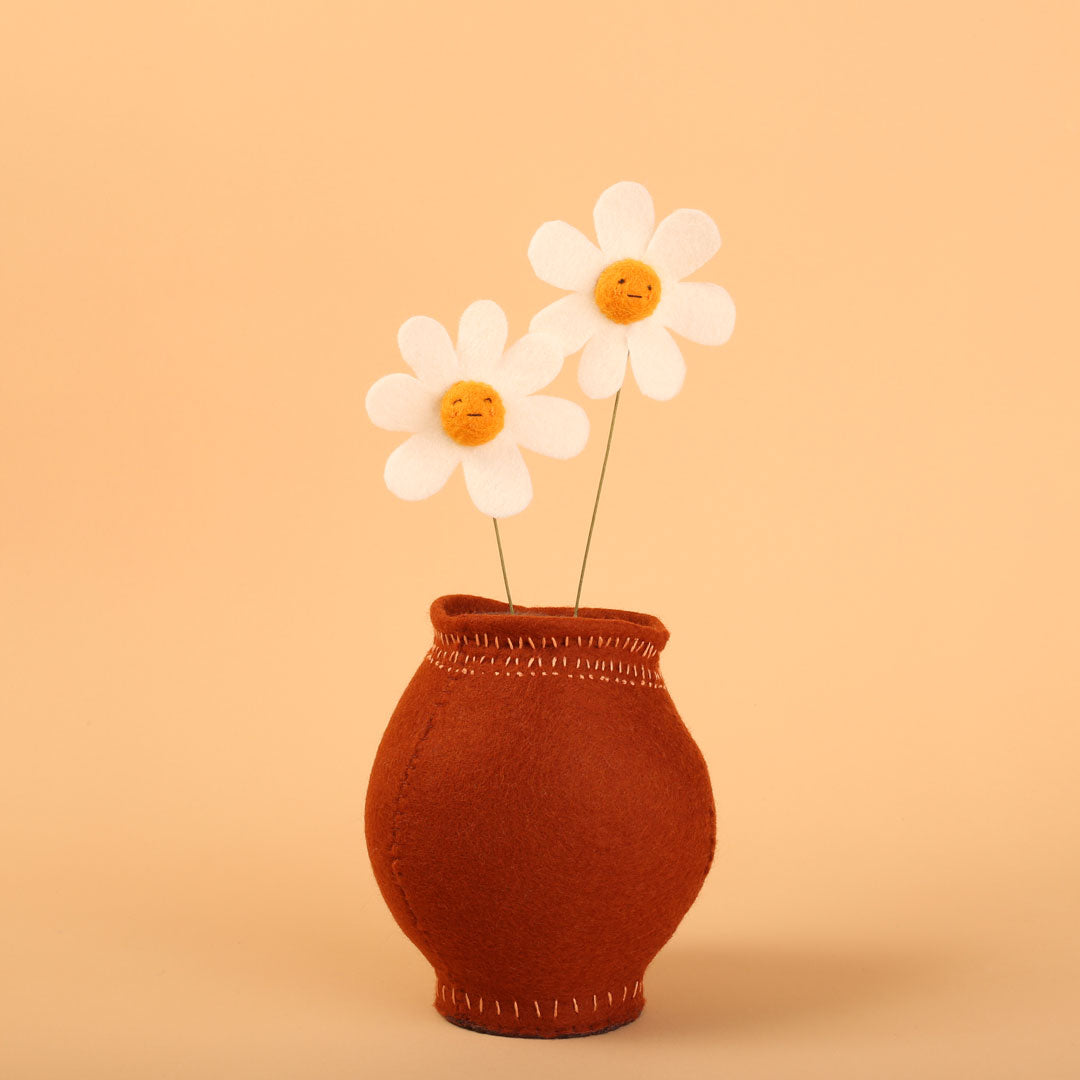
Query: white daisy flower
column 628, row 293
column 475, row 405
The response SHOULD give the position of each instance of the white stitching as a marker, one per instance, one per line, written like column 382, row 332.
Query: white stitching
column 458, row 663
column 442, row 988
column 596, row 642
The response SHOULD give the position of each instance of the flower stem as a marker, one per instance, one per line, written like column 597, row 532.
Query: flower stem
column 596, row 504
column 502, row 563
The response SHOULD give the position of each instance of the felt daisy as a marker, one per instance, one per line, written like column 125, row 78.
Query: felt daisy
column 628, row 293
column 477, row 405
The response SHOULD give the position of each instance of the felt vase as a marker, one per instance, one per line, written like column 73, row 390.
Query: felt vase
column 539, row 818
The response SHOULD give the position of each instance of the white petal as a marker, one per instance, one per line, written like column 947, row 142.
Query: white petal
column 401, row 403
column 572, row 319
column 420, row 466
column 697, row 310
column 658, row 365
column 428, row 350
column 562, row 256
column 497, row 477
column 549, row 425
column 683, row 241
column 528, row 365
column 624, row 220
column 481, row 339
column 602, row 367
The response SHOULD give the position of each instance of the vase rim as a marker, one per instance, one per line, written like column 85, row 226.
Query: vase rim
column 460, row 614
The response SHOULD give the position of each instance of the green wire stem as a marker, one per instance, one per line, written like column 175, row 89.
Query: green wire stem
column 596, row 504
column 502, row 563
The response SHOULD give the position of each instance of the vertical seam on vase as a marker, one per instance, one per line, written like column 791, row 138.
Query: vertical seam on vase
column 712, row 823
column 396, row 846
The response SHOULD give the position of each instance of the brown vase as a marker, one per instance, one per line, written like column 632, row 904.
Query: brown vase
column 538, row 817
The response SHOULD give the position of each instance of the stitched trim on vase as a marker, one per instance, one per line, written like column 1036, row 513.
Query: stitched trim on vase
column 617, row 671
column 450, row 994
column 563, row 641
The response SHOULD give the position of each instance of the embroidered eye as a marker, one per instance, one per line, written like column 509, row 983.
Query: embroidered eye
column 456, row 401
column 488, row 400
column 650, row 288
column 622, row 281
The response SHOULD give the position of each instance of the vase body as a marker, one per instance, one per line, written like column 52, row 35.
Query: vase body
column 538, row 817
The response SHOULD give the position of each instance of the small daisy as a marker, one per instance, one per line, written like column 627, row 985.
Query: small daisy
column 628, row 293
column 475, row 405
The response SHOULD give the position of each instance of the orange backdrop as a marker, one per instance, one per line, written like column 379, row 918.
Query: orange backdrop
column 213, row 218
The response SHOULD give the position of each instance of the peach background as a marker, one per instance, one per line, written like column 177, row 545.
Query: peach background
column 859, row 520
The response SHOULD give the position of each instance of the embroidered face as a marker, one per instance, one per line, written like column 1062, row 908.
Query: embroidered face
column 627, row 291
column 610, row 313
column 472, row 413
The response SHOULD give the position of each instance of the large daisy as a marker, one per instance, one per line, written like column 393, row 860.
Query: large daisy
column 628, row 292
column 476, row 404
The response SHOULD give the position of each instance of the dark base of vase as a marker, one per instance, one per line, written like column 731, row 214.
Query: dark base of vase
column 457, row 1021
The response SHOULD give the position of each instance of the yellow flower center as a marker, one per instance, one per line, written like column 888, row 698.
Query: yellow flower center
column 627, row 290
column 472, row 413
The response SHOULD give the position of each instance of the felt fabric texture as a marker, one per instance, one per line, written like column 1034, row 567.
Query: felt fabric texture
column 624, row 218
column 683, row 242
column 426, row 347
column 698, row 311
column 562, row 256
column 472, row 413
column 656, row 360
column 400, row 402
column 446, row 431
column 482, row 334
column 573, row 320
column 603, row 362
column 497, row 478
column 538, row 817
column 594, row 315
column 549, row 425
column 627, row 291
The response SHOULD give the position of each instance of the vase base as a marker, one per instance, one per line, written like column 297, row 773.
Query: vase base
column 523, row 1017
column 468, row 1025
